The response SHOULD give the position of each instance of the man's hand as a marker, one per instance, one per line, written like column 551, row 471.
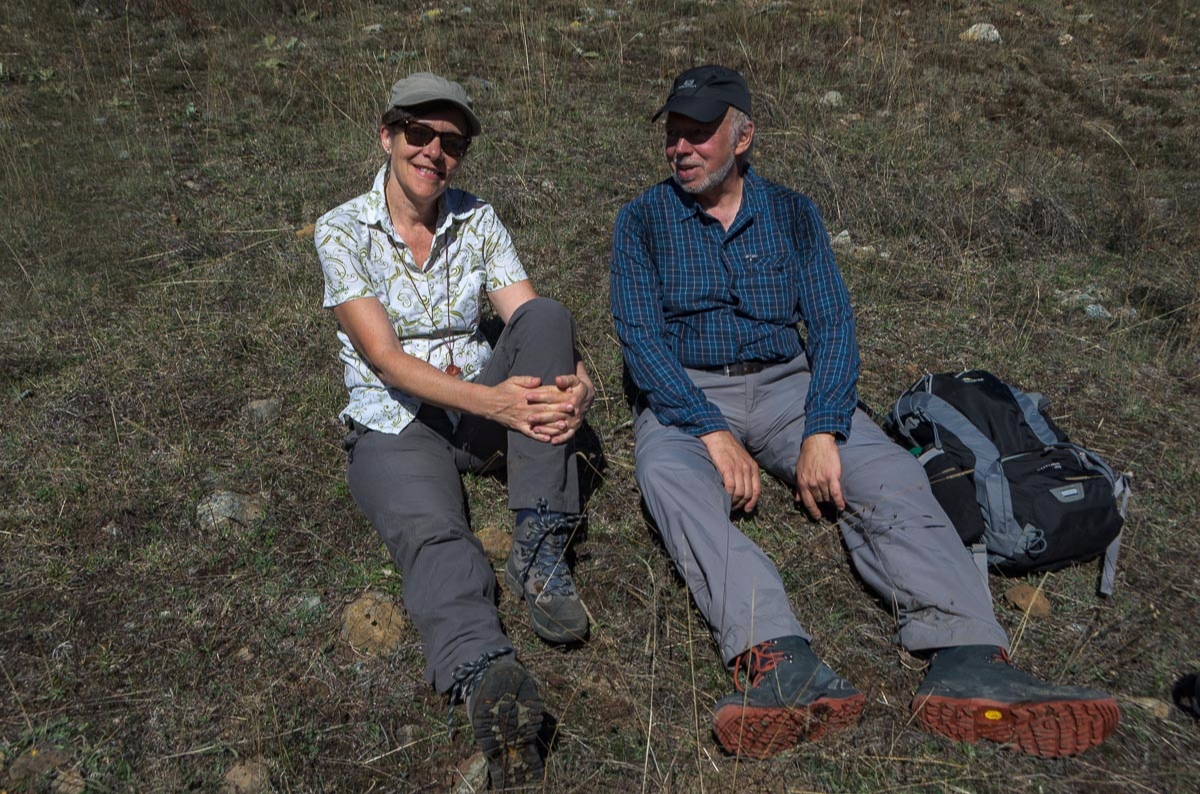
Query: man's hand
column 819, row 474
column 738, row 470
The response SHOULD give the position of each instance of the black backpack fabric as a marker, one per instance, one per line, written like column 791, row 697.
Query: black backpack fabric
column 1008, row 476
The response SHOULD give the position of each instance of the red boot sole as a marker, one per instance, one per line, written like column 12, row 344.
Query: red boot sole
column 1051, row 729
column 760, row 732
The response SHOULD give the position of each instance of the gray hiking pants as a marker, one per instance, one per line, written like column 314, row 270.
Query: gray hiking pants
column 899, row 538
column 408, row 484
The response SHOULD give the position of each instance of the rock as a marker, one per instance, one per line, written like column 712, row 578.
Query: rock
column 981, row 31
column 373, row 624
column 408, row 735
column 247, row 777
column 1158, row 708
column 1125, row 313
column 33, row 764
column 472, row 775
column 1074, row 298
column 69, row 781
column 307, row 231
column 1065, row 39
column 832, row 99
column 244, row 655
column 1097, row 311
column 841, row 239
column 222, row 509
column 496, row 542
column 374, row 28
column 1028, row 599
column 1017, row 196
column 1085, row 19
column 309, row 603
column 863, row 250
column 263, row 412
column 1163, row 209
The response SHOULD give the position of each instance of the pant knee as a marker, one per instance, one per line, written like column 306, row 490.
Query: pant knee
column 546, row 313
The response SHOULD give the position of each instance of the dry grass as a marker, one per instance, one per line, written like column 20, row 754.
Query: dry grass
column 155, row 160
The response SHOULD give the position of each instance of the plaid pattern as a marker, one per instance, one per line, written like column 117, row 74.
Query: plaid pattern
column 686, row 292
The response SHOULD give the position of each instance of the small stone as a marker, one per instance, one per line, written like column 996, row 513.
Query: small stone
column 372, row 623
column 123, row 154
column 863, row 250
column 981, row 31
column 263, row 412
column 1158, row 708
column 1074, row 298
column 1085, row 18
column 471, row 775
column 247, row 777
column 222, row 509
column 111, row 529
column 35, row 763
column 306, row 231
column 496, row 542
column 1125, row 313
column 309, row 603
column 841, row 239
column 1017, row 195
column 1065, row 39
column 408, row 735
column 1162, row 209
column 69, row 781
column 1029, row 600
column 1095, row 310
column 244, row 655
column 375, row 28
column 832, row 99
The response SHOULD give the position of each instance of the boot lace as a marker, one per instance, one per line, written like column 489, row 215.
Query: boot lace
column 467, row 677
column 758, row 661
column 544, row 549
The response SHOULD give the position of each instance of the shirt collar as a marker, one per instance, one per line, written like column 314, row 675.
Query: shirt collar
column 753, row 200
column 453, row 206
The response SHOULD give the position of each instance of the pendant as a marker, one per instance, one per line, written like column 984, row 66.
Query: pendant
column 453, row 369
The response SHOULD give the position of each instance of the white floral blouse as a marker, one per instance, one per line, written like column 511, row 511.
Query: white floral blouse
column 435, row 310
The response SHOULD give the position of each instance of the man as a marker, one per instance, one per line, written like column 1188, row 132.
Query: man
column 712, row 270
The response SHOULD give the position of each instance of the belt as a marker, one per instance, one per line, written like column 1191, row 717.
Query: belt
column 738, row 369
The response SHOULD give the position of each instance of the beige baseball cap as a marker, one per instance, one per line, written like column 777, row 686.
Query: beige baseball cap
column 421, row 88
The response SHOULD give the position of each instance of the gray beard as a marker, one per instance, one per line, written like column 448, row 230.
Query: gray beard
column 709, row 182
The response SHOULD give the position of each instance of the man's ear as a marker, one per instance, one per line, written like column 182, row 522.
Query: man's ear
column 745, row 138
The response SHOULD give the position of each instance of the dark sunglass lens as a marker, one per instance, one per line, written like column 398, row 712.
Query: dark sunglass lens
column 455, row 145
column 418, row 134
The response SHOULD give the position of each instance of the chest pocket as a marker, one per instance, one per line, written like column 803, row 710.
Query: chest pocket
column 768, row 288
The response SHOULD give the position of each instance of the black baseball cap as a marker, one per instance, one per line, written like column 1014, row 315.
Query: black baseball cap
column 703, row 93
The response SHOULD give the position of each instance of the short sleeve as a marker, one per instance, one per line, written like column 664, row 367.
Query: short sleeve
column 503, row 266
column 341, row 256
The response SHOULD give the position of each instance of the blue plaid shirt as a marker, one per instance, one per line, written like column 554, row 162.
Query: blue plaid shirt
column 687, row 292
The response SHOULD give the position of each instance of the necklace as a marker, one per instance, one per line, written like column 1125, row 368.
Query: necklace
column 427, row 305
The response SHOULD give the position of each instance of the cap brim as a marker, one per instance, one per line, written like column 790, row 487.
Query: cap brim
column 416, row 102
column 702, row 109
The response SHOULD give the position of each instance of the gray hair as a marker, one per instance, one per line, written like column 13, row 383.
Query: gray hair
column 738, row 121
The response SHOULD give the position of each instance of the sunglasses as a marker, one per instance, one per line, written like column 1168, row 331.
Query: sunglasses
column 420, row 135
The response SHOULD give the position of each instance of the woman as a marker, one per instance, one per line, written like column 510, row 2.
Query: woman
column 404, row 267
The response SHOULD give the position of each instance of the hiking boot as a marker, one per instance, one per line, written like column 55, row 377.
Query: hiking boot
column 537, row 567
column 506, row 715
column 972, row 692
column 792, row 696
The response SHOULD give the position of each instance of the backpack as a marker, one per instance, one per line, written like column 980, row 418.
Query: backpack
column 1009, row 479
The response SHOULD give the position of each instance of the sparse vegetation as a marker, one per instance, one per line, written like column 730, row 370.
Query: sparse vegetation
column 156, row 160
